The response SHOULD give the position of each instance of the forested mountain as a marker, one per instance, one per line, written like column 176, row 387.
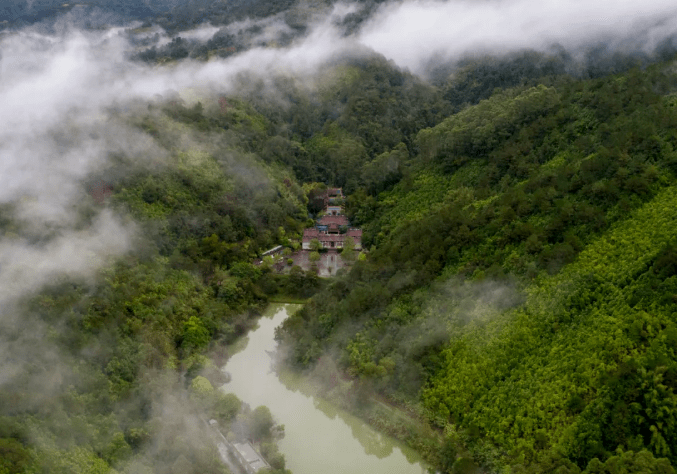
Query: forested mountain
column 520, row 278
column 137, row 335
column 516, row 301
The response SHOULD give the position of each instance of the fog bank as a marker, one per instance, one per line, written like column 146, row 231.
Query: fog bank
column 413, row 32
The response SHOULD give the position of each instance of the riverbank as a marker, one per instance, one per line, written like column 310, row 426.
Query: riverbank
column 319, row 436
column 336, row 392
column 335, row 388
column 285, row 299
column 400, row 425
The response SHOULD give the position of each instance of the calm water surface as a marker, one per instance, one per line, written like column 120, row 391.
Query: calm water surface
column 319, row 438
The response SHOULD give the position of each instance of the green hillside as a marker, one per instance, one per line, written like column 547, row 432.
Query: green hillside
column 521, row 282
column 514, row 310
column 143, row 333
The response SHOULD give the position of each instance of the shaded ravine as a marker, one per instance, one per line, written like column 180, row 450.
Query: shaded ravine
column 318, row 436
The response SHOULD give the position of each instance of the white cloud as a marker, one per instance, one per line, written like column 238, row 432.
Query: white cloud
column 413, row 32
column 24, row 266
column 203, row 33
column 55, row 90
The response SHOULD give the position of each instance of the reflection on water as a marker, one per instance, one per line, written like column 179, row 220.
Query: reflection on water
column 373, row 442
column 319, row 438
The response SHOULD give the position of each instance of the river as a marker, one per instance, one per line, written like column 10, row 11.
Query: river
column 319, row 438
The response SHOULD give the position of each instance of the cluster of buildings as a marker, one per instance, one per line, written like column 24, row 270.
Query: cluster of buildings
column 332, row 228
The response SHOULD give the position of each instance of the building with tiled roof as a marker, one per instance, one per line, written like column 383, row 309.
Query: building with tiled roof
column 333, row 210
column 328, row 229
column 356, row 234
column 330, row 241
column 333, row 196
column 337, row 221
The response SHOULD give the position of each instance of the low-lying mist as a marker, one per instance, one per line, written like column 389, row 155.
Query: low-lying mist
column 68, row 96
column 415, row 32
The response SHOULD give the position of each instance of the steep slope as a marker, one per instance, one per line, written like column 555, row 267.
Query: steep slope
column 520, row 282
column 103, row 373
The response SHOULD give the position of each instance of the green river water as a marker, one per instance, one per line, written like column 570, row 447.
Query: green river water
column 319, row 438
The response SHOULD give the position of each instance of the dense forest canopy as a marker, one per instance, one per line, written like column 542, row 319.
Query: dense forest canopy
column 517, row 194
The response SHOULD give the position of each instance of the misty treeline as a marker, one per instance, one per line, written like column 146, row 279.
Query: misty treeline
column 174, row 15
column 517, row 302
column 115, row 371
column 289, row 19
column 519, row 293
column 178, row 16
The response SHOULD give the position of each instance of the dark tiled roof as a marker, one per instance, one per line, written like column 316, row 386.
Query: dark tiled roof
column 310, row 234
column 336, row 220
column 332, row 237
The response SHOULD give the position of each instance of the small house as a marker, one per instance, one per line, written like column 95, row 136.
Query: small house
column 249, row 459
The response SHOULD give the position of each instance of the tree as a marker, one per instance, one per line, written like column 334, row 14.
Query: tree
column 630, row 462
column 117, row 450
column 261, row 422
column 314, row 256
column 348, row 253
column 448, row 454
column 195, row 334
column 315, row 245
column 227, row 406
column 76, row 459
column 273, row 456
column 201, row 387
column 268, row 261
column 14, row 458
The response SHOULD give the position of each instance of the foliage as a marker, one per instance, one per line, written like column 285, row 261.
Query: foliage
column 519, row 291
column 138, row 334
column 630, row 462
column 348, row 252
column 315, row 245
column 520, row 280
column 14, row 457
column 477, row 130
column 261, row 422
column 226, row 406
column 355, row 129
